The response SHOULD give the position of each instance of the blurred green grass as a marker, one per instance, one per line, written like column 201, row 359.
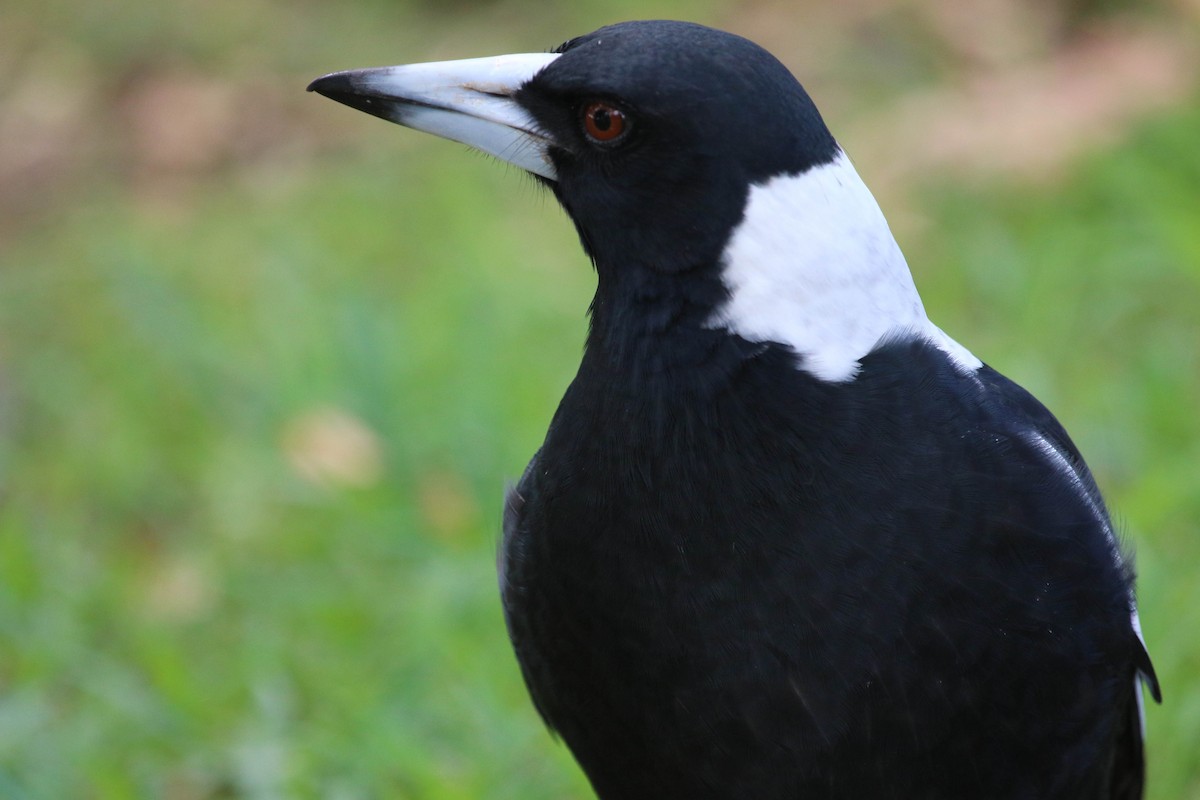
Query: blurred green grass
column 257, row 422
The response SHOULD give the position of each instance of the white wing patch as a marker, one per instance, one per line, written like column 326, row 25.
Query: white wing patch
column 814, row 265
column 1141, row 679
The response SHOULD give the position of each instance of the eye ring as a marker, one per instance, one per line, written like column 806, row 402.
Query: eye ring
column 604, row 123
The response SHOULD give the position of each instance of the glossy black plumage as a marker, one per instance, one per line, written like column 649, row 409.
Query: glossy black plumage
column 824, row 600
column 727, row 577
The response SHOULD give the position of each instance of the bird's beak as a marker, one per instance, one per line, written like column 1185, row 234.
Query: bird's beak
column 469, row 101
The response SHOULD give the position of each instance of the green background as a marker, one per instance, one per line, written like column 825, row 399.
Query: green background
column 267, row 363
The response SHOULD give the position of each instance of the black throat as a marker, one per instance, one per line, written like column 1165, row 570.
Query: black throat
column 649, row 328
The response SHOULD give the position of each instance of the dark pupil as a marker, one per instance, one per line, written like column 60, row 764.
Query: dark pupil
column 602, row 119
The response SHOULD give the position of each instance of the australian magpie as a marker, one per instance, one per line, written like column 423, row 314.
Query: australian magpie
column 785, row 538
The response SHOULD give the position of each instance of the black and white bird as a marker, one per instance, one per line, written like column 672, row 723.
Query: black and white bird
column 785, row 538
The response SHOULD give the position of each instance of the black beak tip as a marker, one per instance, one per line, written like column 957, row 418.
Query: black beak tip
column 345, row 88
column 332, row 85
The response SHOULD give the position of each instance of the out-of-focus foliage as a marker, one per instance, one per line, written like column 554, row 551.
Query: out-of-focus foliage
column 265, row 364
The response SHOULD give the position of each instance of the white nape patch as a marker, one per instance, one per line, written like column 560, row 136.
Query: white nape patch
column 814, row 265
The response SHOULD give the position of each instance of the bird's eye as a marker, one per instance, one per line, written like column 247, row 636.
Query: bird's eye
column 604, row 123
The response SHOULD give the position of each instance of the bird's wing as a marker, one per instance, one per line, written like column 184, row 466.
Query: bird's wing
column 511, row 561
column 1127, row 771
column 1048, row 435
column 514, row 505
column 1057, row 445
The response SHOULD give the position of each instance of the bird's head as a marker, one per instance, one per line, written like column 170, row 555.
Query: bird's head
column 649, row 133
column 679, row 151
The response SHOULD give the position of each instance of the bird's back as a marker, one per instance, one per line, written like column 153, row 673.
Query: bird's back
column 773, row 586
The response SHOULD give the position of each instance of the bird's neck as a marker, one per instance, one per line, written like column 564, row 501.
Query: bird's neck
column 813, row 265
column 650, row 328
column 810, row 265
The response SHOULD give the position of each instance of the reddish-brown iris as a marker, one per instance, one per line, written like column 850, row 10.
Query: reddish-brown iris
column 604, row 123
